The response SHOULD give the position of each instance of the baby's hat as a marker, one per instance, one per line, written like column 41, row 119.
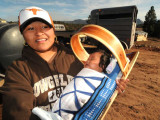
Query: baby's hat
column 31, row 14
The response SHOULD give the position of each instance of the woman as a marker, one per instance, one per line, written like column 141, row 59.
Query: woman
column 40, row 75
column 45, row 68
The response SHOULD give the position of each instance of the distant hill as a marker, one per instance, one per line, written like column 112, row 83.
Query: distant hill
column 78, row 21
column 139, row 22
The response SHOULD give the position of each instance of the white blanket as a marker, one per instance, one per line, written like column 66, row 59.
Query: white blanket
column 78, row 91
column 45, row 115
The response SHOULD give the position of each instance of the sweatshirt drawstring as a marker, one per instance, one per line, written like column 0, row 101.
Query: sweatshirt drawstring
column 54, row 65
column 55, row 68
column 53, row 77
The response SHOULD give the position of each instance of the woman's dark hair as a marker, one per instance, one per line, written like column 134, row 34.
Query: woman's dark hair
column 104, row 60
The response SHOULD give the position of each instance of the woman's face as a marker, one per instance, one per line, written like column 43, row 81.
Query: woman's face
column 39, row 36
column 93, row 61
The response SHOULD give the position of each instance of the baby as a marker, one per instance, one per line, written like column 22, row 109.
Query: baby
column 98, row 61
column 97, row 64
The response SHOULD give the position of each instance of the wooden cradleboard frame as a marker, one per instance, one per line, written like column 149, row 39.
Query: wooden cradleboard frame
column 2, row 80
column 110, row 41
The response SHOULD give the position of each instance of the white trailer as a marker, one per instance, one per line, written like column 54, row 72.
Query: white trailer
column 59, row 27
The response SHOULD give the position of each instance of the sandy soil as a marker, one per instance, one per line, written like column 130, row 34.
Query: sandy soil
column 141, row 100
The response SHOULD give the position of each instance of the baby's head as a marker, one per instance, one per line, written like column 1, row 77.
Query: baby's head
column 98, row 61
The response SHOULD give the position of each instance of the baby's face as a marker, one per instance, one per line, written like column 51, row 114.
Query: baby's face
column 93, row 62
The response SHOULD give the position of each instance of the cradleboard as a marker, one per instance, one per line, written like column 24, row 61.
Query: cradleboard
column 110, row 41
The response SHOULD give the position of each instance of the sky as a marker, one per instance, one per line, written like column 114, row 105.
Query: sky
column 68, row 10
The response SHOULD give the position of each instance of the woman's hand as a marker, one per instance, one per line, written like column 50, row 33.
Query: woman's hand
column 121, row 85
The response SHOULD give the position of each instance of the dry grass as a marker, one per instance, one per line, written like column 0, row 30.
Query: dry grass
column 152, row 44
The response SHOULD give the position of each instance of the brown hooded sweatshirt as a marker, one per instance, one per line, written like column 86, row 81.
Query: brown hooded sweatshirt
column 30, row 81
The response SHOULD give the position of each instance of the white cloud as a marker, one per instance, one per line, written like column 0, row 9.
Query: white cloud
column 11, row 12
column 39, row 2
column 75, row 9
column 142, row 5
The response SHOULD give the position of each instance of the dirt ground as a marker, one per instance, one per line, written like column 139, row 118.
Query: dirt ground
column 141, row 100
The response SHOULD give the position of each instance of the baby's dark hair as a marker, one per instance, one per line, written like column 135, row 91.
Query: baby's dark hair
column 104, row 60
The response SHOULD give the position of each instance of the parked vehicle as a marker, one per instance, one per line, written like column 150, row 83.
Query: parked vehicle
column 59, row 27
column 11, row 44
column 63, row 36
column 121, row 21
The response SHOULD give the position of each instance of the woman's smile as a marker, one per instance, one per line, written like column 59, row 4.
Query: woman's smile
column 41, row 40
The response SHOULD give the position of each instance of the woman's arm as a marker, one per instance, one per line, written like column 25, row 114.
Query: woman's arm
column 18, row 98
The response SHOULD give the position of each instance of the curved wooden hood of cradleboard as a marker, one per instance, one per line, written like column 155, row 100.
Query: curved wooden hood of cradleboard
column 104, row 36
